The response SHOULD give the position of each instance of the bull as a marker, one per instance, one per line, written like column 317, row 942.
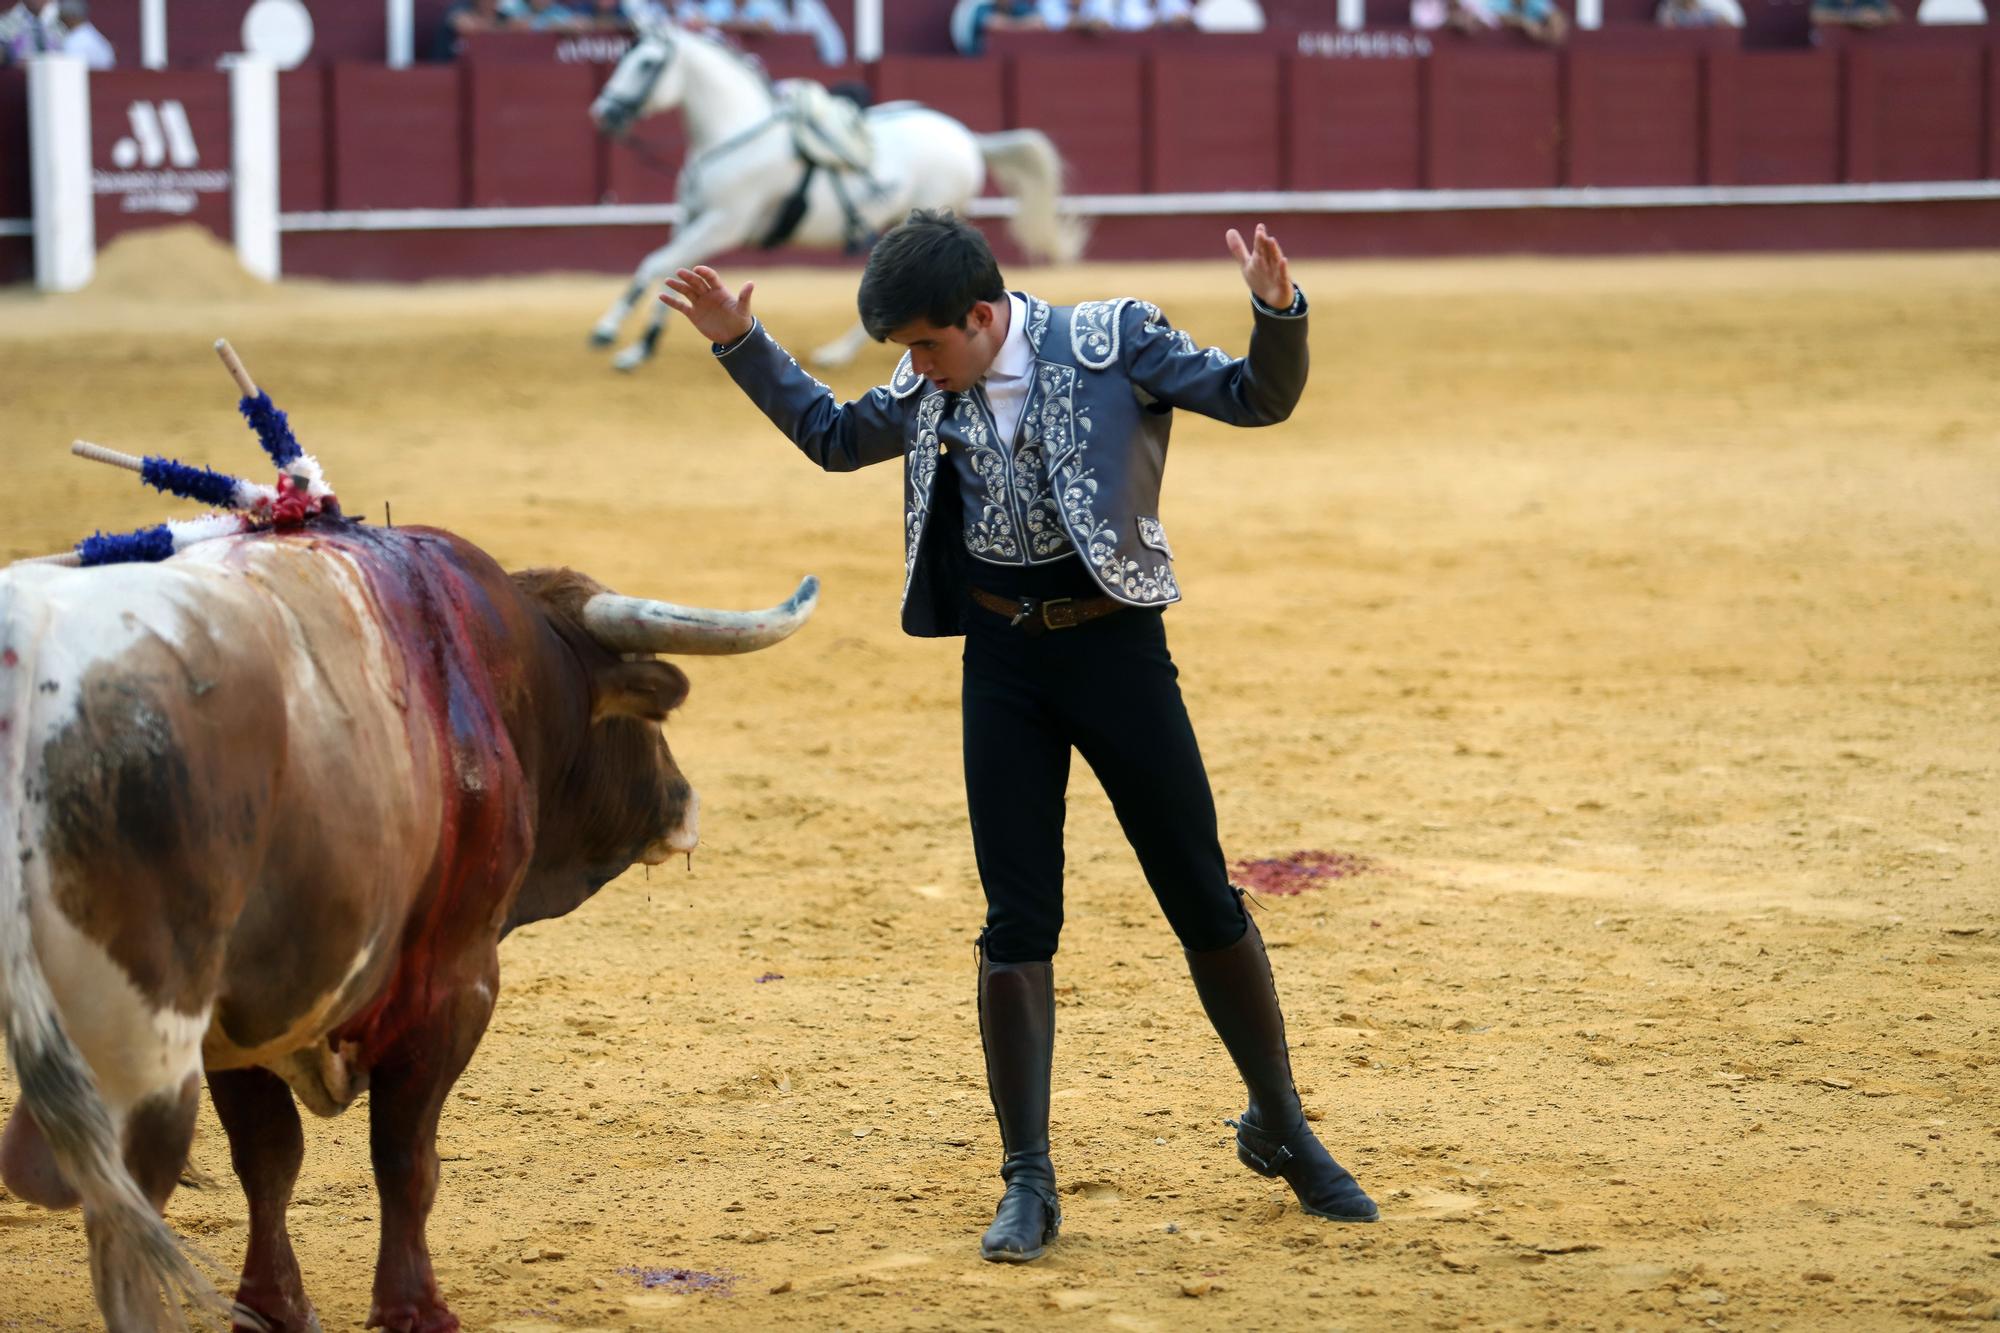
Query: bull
column 266, row 811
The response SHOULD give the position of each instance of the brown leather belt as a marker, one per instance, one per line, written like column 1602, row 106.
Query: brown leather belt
column 1037, row 615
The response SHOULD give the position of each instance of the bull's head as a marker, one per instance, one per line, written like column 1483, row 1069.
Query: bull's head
column 620, row 799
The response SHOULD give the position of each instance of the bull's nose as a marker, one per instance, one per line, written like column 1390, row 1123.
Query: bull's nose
column 684, row 838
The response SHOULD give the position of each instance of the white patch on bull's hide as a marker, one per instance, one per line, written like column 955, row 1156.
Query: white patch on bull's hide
column 95, row 615
column 136, row 1049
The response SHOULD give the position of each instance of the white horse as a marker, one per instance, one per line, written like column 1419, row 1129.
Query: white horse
column 742, row 168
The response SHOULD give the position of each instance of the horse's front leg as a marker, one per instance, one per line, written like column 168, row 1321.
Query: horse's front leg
column 605, row 331
column 842, row 349
column 406, row 1093
column 699, row 238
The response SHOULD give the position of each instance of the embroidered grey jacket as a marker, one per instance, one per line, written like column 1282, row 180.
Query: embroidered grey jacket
column 1107, row 377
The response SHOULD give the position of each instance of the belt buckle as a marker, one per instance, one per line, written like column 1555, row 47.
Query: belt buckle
column 1066, row 621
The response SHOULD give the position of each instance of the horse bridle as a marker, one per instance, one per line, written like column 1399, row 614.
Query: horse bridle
column 625, row 110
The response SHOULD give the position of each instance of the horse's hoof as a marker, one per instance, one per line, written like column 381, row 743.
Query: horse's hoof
column 630, row 359
column 600, row 338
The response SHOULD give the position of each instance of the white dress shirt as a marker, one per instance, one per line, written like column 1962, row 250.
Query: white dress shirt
column 1007, row 379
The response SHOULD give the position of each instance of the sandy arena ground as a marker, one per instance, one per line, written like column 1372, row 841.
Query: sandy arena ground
column 1637, row 619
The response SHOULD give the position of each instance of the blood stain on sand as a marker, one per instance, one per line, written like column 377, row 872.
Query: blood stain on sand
column 1284, row 875
column 682, row 1281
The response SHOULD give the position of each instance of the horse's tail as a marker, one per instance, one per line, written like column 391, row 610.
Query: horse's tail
column 1029, row 168
column 137, row 1260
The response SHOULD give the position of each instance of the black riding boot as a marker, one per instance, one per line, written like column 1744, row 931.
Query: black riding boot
column 1017, row 1025
column 1272, row 1138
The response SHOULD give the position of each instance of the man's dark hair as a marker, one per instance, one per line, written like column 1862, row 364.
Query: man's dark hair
column 933, row 267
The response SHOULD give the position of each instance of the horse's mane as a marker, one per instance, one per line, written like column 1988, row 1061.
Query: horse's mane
column 723, row 43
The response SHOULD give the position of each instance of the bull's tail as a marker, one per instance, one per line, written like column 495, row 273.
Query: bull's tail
column 1028, row 167
column 135, row 1260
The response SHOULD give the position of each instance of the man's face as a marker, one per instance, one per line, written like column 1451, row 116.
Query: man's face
column 953, row 359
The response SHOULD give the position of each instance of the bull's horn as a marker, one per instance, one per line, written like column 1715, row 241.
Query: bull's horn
column 638, row 625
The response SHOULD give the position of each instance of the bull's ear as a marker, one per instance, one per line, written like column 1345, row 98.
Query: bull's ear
column 649, row 690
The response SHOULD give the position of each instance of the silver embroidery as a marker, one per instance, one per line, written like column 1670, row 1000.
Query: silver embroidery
column 906, row 380
column 1155, row 536
column 990, row 534
column 1076, row 487
column 922, row 472
column 1093, row 331
column 1038, row 321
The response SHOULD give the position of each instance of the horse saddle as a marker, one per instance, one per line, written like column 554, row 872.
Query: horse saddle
column 829, row 131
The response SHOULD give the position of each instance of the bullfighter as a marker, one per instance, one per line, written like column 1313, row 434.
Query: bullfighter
column 1033, row 439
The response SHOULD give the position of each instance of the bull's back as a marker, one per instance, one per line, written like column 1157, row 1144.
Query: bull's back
column 207, row 747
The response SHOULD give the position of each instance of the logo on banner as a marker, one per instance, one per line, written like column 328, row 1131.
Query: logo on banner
column 158, row 163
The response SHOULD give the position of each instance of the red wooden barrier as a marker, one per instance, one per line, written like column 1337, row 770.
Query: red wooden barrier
column 1993, row 110
column 398, row 137
column 1093, row 107
column 1773, row 117
column 973, row 91
column 1355, row 124
column 1634, row 116
column 15, row 199
column 146, row 169
column 1493, row 118
column 531, row 137
column 642, row 168
column 1913, row 112
column 1215, row 122
column 302, row 139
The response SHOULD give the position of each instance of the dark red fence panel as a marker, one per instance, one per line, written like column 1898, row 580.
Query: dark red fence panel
column 1913, row 112
column 15, row 199
column 1993, row 110
column 973, row 91
column 1493, row 118
column 1355, row 124
column 1773, row 117
column 642, row 168
column 398, row 138
column 532, row 140
column 1634, row 116
column 1215, row 122
column 303, row 186
column 160, row 150
column 1093, row 107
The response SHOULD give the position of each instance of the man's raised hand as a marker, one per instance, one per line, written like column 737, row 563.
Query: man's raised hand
column 698, row 293
column 1264, row 269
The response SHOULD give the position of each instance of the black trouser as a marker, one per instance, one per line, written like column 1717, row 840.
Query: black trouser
column 1108, row 689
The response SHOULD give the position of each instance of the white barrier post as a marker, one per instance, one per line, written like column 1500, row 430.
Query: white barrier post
column 253, row 135
column 868, row 30
column 1590, row 14
column 1351, row 15
column 153, row 33
column 402, row 21
column 59, row 172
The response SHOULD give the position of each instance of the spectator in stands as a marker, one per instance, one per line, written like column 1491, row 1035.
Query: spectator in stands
column 971, row 20
column 1539, row 20
column 1134, row 15
column 81, row 38
column 1699, row 14
column 463, row 18
column 760, row 16
column 705, row 13
column 604, row 15
column 545, row 15
column 1855, row 13
column 812, row 18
